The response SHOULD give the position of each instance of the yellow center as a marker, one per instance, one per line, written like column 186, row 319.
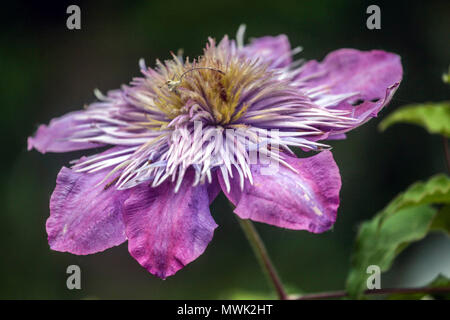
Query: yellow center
column 212, row 82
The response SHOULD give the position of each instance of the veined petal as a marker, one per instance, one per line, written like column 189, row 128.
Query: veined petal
column 306, row 200
column 276, row 51
column 168, row 230
column 85, row 217
column 359, row 82
column 55, row 136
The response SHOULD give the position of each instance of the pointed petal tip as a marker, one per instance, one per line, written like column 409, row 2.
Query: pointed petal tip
column 38, row 141
column 168, row 230
column 30, row 144
column 56, row 136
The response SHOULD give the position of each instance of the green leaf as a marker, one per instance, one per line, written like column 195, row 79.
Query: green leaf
column 380, row 240
column 440, row 281
column 407, row 218
column 446, row 76
column 434, row 117
column 434, row 191
column 442, row 220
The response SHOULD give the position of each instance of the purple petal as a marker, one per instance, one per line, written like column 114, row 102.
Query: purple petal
column 213, row 188
column 55, row 136
column 168, row 230
column 307, row 200
column 372, row 75
column 339, row 136
column 85, row 218
column 276, row 51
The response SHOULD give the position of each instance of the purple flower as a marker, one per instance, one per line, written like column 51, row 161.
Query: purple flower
column 187, row 129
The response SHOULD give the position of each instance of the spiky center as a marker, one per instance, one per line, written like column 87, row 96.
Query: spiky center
column 209, row 89
column 242, row 104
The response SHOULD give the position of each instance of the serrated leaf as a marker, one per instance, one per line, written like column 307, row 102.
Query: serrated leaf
column 441, row 281
column 380, row 240
column 434, row 117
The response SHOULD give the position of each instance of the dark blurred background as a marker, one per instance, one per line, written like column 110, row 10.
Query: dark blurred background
column 48, row 70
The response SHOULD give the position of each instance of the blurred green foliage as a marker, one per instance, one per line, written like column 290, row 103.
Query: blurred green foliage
column 407, row 218
column 434, row 117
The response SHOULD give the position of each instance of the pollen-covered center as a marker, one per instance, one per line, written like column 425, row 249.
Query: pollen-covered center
column 210, row 89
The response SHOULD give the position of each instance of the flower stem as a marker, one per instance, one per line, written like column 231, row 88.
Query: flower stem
column 446, row 151
column 263, row 257
column 342, row 294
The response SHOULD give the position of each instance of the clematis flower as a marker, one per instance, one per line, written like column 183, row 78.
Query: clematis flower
column 160, row 168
